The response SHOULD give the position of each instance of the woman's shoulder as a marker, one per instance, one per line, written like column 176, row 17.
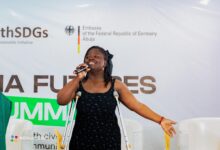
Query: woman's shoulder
column 118, row 84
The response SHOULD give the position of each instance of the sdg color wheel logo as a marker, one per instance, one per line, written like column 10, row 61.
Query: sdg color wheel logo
column 14, row 138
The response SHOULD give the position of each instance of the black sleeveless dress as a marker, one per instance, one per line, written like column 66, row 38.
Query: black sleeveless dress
column 96, row 126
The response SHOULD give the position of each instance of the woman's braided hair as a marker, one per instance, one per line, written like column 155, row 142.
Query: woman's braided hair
column 109, row 66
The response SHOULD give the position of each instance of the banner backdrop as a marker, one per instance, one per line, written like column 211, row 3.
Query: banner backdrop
column 165, row 51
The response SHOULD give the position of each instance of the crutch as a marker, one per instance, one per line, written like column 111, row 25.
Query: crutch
column 68, row 126
column 128, row 146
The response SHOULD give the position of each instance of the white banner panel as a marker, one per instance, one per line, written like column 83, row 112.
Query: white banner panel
column 165, row 51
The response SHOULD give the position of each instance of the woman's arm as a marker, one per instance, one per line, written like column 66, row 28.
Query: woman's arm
column 68, row 92
column 127, row 98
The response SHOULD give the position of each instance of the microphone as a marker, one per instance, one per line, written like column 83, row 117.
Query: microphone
column 81, row 69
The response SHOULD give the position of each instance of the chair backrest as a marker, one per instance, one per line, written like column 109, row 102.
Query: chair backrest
column 5, row 112
column 135, row 135
column 19, row 135
column 199, row 134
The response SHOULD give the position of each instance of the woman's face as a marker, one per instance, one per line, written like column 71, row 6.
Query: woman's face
column 95, row 59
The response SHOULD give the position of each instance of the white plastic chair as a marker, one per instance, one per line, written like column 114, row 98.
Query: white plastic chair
column 19, row 135
column 135, row 135
column 199, row 134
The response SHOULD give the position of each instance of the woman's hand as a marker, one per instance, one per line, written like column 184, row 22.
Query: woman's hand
column 167, row 126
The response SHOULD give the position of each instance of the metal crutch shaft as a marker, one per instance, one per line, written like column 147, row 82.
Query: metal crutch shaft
column 67, row 121
column 128, row 146
column 69, row 134
column 69, row 125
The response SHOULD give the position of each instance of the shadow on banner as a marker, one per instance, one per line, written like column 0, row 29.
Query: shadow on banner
column 5, row 111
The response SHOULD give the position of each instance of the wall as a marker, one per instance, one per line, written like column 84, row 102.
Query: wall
column 166, row 51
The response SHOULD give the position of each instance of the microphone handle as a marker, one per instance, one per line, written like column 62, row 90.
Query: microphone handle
column 80, row 70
